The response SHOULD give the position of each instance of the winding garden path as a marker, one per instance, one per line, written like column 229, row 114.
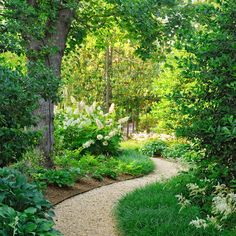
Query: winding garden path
column 90, row 214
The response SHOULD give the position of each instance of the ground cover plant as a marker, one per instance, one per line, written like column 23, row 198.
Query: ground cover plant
column 155, row 210
column 23, row 209
column 130, row 162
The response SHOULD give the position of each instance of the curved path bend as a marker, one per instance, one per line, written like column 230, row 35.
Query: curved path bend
column 91, row 213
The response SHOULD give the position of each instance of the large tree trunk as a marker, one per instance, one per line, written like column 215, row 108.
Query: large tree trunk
column 55, row 37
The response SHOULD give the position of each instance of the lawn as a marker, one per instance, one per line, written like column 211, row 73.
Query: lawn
column 154, row 210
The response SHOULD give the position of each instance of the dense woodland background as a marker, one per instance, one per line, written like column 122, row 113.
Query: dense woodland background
column 168, row 66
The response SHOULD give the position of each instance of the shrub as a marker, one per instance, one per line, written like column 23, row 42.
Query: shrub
column 30, row 162
column 176, row 150
column 134, row 163
column 105, row 172
column 207, row 105
column 130, row 162
column 60, row 177
column 17, row 103
column 154, row 148
column 218, row 204
column 23, row 209
column 88, row 129
column 147, row 122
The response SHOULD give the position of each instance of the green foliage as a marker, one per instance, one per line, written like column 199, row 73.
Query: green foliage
column 139, row 214
column 183, row 151
column 147, row 122
column 207, row 105
column 83, row 71
column 88, row 129
column 130, row 163
column 31, row 160
column 58, row 177
column 154, row 148
column 17, row 103
column 165, row 110
column 23, row 209
column 134, row 163
column 132, row 144
column 216, row 200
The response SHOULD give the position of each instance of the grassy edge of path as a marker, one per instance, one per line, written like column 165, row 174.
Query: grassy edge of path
column 154, row 211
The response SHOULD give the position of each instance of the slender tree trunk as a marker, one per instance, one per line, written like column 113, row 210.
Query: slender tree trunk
column 55, row 37
column 107, row 78
column 127, row 130
column 133, row 122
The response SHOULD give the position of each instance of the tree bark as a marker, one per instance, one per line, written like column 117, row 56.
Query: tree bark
column 55, row 37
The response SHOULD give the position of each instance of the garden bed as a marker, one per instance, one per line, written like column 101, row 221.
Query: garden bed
column 57, row 195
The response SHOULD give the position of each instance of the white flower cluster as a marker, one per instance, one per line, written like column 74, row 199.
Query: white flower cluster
column 183, row 201
column 123, row 120
column 99, row 137
column 105, row 143
column 82, row 117
column 196, row 190
column 88, row 144
column 112, row 108
column 199, row 223
column 99, row 124
column 223, row 205
column 204, row 223
column 80, row 122
column 113, row 133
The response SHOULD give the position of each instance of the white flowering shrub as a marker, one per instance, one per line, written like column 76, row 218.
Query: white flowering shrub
column 218, row 203
column 88, row 129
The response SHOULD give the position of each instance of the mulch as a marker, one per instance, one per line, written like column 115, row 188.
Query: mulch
column 57, row 195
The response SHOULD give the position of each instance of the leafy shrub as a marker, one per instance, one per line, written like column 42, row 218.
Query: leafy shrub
column 207, row 105
column 130, row 162
column 218, row 204
column 154, row 148
column 105, row 172
column 17, row 103
column 88, row 129
column 23, row 209
column 60, row 177
column 66, row 161
column 147, row 122
column 176, row 150
column 134, row 163
column 30, row 162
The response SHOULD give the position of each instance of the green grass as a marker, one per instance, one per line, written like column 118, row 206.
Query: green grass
column 132, row 144
column 154, row 211
column 134, row 163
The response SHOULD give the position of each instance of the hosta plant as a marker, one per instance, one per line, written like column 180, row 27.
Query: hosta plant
column 88, row 129
column 154, row 148
column 23, row 209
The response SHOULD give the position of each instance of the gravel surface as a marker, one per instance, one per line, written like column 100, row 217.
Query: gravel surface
column 90, row 214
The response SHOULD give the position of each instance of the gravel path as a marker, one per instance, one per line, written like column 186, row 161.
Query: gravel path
column 90, row 214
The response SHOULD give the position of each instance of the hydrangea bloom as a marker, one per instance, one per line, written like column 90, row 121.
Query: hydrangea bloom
column 99, row 137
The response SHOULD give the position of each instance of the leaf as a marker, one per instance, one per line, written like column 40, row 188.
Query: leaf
column 30, row 227
column 30, row 210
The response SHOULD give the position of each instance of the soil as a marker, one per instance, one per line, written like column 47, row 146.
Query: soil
column 57, row 195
